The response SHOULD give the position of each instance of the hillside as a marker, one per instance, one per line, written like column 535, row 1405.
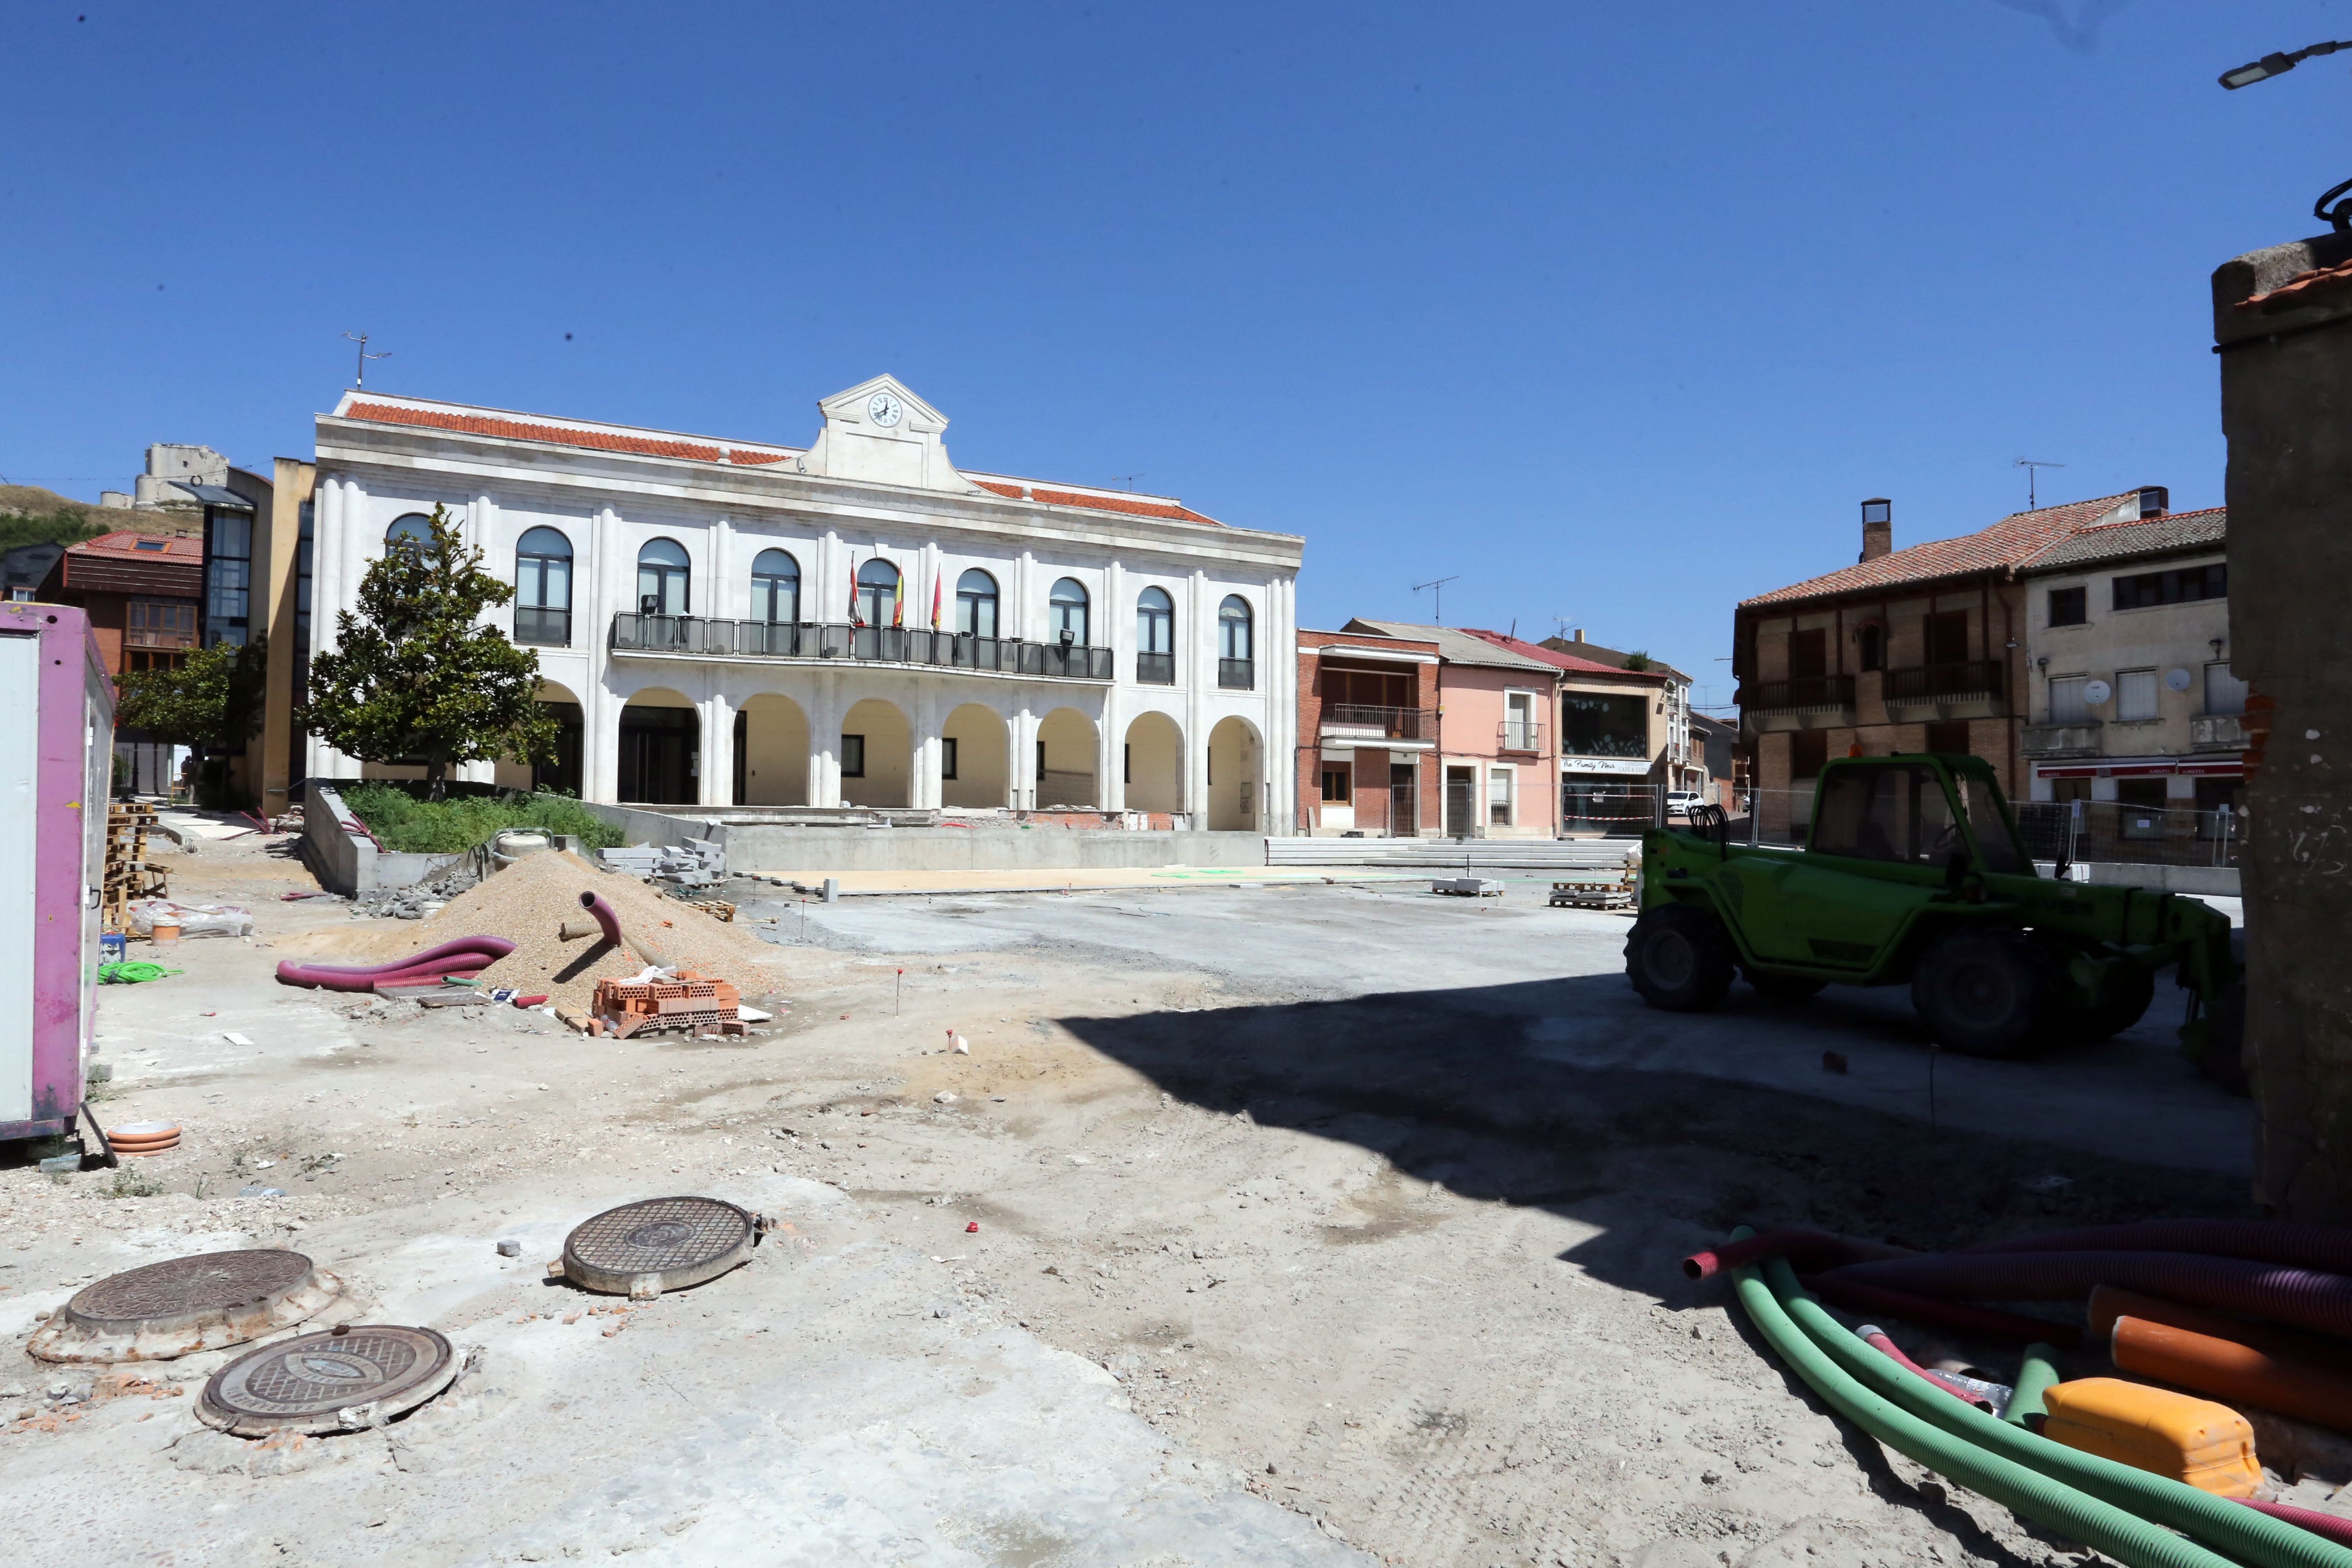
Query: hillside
column 31, row 515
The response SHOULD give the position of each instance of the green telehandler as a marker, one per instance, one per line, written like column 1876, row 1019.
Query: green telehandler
column 1913, row 872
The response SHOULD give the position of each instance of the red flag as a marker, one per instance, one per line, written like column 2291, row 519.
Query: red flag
column 935, row 600
column 855, row 618
column 897, row 608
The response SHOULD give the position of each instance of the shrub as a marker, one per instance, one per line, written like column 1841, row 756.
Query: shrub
column 404, row 823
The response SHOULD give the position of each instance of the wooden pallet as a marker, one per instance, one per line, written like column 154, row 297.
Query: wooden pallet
column 1612, row 892
column 128, row 876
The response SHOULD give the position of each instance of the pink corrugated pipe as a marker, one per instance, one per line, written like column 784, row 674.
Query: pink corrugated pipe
column 466, row 956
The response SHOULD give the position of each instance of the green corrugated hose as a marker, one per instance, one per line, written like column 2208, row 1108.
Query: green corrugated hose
column 2149, row 1501
column 2036, row 1373
column 2023, row 1490
column 132, row 972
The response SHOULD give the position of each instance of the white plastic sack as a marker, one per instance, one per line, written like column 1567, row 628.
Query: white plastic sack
column 194, row 919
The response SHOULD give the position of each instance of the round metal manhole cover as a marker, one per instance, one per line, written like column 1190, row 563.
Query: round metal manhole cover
column 348, row 1377
column 661, row 1244
column 184, row 1304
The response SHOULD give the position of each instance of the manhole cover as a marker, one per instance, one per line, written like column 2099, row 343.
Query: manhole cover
column 661, row 1244
column 185, row 1304
column 348, row 1377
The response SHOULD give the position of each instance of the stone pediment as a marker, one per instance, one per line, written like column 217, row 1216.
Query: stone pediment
column 881, row 433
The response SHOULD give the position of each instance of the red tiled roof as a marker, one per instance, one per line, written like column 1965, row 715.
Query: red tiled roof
column 126, row 541
column 1135, row 506
column 651, row 446
column 2314, row 287
column 2005, row 546
column 1558, row 659
column 2169, row 534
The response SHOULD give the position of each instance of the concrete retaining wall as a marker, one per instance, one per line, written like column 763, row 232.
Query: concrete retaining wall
column 768, row 850
column 340, row 855
column 2214, row 881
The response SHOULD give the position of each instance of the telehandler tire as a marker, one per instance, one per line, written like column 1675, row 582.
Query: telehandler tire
column 1784, row 988
column 1986, row 992
column 2125, row 992
column 1679, row 957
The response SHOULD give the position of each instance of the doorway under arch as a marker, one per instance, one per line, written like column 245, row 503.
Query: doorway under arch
column 1237, row 776
column 561, row 776
column 1065, row 760
column 876, row 743
column 975, row 766
column 1154, row 760
column 771, row 752
column 661, row 750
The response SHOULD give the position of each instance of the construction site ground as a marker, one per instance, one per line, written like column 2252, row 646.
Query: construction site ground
column 1314, row 1224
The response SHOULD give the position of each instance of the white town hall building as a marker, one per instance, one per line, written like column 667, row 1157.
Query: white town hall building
column 855, row 623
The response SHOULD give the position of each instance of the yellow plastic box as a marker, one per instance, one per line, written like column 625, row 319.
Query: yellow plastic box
column 2209, row 1446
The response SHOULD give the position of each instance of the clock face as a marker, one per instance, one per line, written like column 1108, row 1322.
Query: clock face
column 884, row 409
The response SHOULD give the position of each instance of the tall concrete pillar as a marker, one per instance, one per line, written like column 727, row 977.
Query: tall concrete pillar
column 825, row 710
column 1110, row 775
column 717, row 713
column 1024, row 771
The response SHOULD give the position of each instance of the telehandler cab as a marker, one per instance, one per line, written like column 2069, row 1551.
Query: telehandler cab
column 1913, row 871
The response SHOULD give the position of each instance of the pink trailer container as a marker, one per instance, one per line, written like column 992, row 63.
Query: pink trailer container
column 54, row 689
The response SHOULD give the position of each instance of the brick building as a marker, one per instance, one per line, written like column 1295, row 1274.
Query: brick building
column 1917, row 649
column 1368, row 735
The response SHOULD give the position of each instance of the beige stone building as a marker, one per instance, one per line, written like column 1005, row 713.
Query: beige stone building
column 1917, row 649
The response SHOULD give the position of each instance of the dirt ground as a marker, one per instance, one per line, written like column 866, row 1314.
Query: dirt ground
column 1314, row 1225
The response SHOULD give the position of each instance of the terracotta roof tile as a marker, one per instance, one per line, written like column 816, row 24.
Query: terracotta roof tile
column 2314, row 287
column 1566, row 661
column 2007, row 546
column 2174, row 532
column 1134, row 506
column 130, row 541
column 740, row 457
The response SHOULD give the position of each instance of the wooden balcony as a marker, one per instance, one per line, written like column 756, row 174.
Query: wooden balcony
column 1799, row 702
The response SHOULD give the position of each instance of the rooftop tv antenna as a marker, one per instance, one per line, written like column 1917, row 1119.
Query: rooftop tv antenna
column 1438, row 597
column 1124, row 481
column 359, row 375
column 2030, row 465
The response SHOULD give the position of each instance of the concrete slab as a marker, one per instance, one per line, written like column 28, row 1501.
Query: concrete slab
column 867, row 884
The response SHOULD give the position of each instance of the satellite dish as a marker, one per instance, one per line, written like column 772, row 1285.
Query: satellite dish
column 2096, row 691
column 2176, row 679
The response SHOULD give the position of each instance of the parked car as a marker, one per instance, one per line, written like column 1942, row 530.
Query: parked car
column 1680, row 801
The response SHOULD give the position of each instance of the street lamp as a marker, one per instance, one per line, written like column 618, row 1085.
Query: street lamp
column 2275, row 64
column 2340, row 216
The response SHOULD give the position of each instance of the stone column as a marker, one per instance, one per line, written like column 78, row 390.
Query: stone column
column 825, row 710
column 1196, row 664
column 1024, row 771
column 1110, row 776
column 925, row 787
column 717, row 714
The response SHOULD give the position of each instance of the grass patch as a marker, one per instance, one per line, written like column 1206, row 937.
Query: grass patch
column 444, row 827
column 133, row 1182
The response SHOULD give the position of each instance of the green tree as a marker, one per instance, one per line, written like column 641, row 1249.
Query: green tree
column 415, row 674
column 211, row 701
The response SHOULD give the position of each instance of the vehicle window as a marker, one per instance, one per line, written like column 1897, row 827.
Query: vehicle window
column 1898, row 813
column 1994, row 840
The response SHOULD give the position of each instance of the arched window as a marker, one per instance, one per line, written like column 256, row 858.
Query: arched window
column 664, row 584
column 543, row 588
column 1065, row 613
column 775, row 588
column 414, row 530
column 878, row 594
column 1155, row 637
column 976, row 604
column 1234, row 670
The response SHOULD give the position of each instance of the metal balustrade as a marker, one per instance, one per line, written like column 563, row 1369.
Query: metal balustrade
column 855, row 643
column 1237, row 674
column 1394, row 724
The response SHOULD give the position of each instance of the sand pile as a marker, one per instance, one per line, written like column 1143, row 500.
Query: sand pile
column 528, row 901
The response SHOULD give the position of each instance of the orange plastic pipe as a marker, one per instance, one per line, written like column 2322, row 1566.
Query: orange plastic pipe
column 2109, row 1302
column 2234, row 1371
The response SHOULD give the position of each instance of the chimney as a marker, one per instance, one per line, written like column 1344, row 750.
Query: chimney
column 1877, row 528
column 2152, row 500
column 1580, row 634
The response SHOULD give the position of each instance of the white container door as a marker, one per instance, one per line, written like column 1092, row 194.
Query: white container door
column 20, row 675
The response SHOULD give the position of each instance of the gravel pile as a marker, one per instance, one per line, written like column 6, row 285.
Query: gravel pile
column 529, row 900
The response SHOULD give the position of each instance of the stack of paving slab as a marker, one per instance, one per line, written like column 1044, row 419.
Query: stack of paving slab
column 696, row 863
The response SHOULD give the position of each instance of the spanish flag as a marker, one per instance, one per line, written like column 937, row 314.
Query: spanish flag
column 935, row 600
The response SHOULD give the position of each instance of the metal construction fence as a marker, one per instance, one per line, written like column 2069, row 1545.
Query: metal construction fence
column 2105, row 831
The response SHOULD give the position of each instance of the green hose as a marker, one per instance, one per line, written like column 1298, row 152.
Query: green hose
column 2036, row 1373
column 133, row 972
column 2024, row 1491
column 2150, row 1499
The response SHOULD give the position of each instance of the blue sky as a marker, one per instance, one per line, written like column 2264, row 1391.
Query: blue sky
column 1614, row 312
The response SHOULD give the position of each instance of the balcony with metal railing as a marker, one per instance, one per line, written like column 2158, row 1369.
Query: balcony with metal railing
column 1237, row 674
column 2069, row 737
column 1155, row 669
column 1797, row 702
column 775, row 640
column 538, row 626
column 1519, row 736
column 1361, row 721
column 1968, row 688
